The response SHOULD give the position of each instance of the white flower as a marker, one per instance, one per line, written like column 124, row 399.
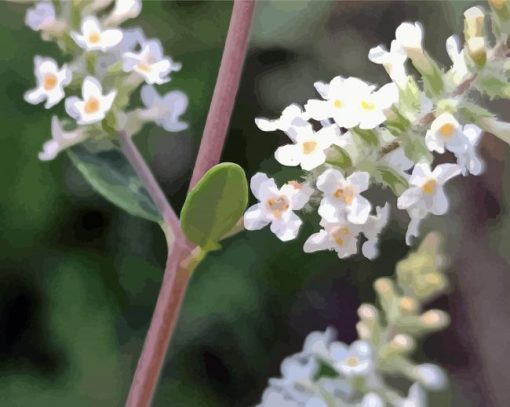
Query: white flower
column 352, row 102
column 291, row 116
column 150, row 63
column 165, row 110
column 372, row 400
column 410, row 36
column 50, row 82
column 397, row 160
column 445, row 133
column 468, row 158
column 426, row 188
column 416, row 397
column 60, row 140
column 372, row 105
column 309, row 149
column 393, row 61
column 276, row 207
column 273, row 398
column 317, row 343
column 94, row 105
column 353, row 361
column 94, row 38
column 372, row 229
column 124, row 10
column 426, row 194
column 340, row 103
column 342, row 196
column 341, row 236
column 41, row 16
column 430, row 376
column 459, row 70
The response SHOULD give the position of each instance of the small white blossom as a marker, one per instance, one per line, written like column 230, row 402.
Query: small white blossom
column 372, row 229
column 352, row 102
column 393, row 61
column 426, row 188
column 342, row 196
column 273, row 398
column 317, row 343
column 426, row 194
column 41, row 17
column 309, row 148
column 339, row 102
column 94, row 38
column 165, row 110
column 341, row 236
column 397, row 160
column 468, row 158
column 410, row 37
column 459, row 71
column 353, row 361
column 93, row 106
column 291, row 116
column 60, row 140
column 150, row 63
column 124, row 10
column 445, row 133
column 416, row 397
column 430, row 376
column 276, row 206
column 50, row 82
column 372, row 400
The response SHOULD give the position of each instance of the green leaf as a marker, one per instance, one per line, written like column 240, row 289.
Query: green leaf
column 369, row 137
column 339, row 157
column 494, row 84
column 416, row 150
column 214, row 205
column 110, row 174
column 391, row 178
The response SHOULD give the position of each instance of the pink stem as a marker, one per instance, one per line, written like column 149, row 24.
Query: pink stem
column 227, row 83
column 181, row 260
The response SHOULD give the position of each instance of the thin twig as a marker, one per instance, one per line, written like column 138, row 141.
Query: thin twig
column 149, row 181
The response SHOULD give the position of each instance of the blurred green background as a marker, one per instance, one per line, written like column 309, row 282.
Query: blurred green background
column 79, row 278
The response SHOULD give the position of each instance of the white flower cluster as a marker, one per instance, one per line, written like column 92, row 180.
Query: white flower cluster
column 330, row 373
column 357, row 135
column 105, row 57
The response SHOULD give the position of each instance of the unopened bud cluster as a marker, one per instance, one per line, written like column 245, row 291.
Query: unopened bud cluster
column 388, row 335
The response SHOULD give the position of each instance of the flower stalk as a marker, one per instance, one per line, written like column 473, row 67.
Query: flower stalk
column 182, row 257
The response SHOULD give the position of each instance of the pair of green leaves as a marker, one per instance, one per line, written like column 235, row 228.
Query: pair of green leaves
column 210, row 211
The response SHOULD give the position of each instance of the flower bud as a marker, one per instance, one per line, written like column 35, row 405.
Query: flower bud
column 363, row 331
column 408, row 306
column 403, row 343
column 431, row 376
column 367, row 312
column 474, row 23
column 434, row 319
column 477, row 50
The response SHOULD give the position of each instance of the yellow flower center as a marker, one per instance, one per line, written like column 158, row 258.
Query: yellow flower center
column 278, row 206
column 447, row 130
column 345, row 194
column 367, row 105
column 429, row 187
column 50, row 81
column 143, row 67
column 94, row 38
column 340, row 235
column 352, row 361
column 337, row 103
column 91, row 105
column 309, row 147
